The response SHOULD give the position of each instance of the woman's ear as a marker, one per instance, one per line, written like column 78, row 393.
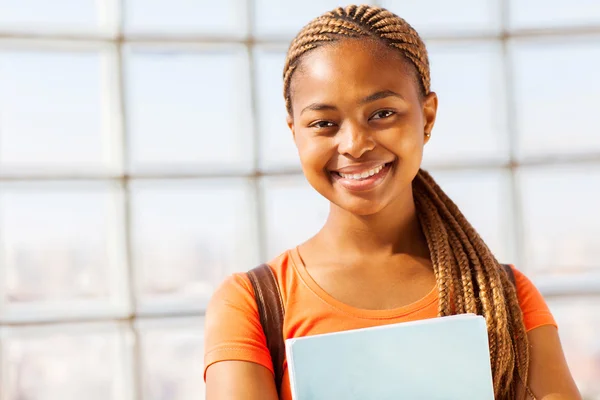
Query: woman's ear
column 430, row 104
column 290, row 124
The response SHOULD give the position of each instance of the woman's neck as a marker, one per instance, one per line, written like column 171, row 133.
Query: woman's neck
column 395, row 229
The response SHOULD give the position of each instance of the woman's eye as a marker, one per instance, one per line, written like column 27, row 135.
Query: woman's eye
column 322, row 124
column 382, row 114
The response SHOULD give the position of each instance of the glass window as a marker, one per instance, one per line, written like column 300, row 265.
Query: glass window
column 58, row 121
column 277, row 148
column 578, row 319
column 172, row 354
column 145, row 156
column 67, row 362
column 293, row 212
column 189, row 111
column 553, row 13
column 187, row 237
column 450, row 17
column 484, row 198
column 557, row 95
column 205, row 17
column 61, row 247
column 277, row 18
column 58, row 16
column 471, row 120
column 560, row 218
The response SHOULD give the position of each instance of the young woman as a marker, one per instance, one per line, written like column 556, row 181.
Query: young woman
column 394, row 247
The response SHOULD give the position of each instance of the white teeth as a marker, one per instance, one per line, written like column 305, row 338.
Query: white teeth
column 362, row 175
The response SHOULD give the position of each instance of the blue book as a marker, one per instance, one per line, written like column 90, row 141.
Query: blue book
column 440, row 358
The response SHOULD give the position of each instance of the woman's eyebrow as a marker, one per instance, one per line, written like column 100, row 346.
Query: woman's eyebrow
column 380, row 95
column 370, row 98
column 318, row 107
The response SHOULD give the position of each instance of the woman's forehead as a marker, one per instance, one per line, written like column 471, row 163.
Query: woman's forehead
column 347, row 64
column 354, row 52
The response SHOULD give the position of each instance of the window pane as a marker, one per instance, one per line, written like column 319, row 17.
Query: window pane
column 172, row 359
column 185, row 16
column 484, row 198
column 557, row 96
column 553, row 13
column 189, row 111
column 471, row 120
column 455, row 16
column 293, row 210
column 58, row 16
column 560, row 218
column 67, row 363
column 189, row 235
column 277, row 148
column 287, row 17
column 56, row 121
column 62, row 250
column 578, row 320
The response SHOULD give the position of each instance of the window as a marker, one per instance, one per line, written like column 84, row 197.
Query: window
column 450, row 17
column 145, row 156
column 293, row 212
column 185, row 17
column 471, row 121
column 182, row 246
column 555, row 80
column 62, row 119
column 188, row 111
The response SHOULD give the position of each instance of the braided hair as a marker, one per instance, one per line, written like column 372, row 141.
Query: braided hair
column 469, row 278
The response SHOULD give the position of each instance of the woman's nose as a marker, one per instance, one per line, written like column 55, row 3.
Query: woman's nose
column 355, row 141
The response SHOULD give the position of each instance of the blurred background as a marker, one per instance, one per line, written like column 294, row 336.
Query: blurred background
column 144, row 156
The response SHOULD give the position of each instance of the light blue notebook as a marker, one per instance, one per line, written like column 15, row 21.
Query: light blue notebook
column 441, row 358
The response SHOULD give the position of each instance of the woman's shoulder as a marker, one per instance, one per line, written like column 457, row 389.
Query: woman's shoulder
column 237, row 290
column 232, row 329
column 533, row 305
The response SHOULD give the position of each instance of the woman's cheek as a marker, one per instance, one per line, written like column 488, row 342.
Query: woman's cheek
column 411, row 147
column 315, row 153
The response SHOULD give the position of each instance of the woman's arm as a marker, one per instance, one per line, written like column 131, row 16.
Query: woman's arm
column 233, row 380
column 237, row 361
column 549, row 375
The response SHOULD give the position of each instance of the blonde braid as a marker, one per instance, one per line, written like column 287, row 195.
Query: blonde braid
column 435, row 247
column 500, row 346
column 501, row 310
column 469, row 278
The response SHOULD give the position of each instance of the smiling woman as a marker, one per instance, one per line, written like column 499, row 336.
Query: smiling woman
column 394, row 248
column 379, row 120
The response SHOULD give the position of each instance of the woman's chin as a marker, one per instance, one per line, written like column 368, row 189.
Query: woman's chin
column 360, row 207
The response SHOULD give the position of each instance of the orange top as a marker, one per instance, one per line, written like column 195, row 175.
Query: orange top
column 233, row 330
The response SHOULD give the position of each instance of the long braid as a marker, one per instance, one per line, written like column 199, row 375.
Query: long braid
column 487, row 274
column 468, row 276
column 500, row 291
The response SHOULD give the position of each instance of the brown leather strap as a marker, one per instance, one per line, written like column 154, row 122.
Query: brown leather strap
column 271, row 312
column 510, row 273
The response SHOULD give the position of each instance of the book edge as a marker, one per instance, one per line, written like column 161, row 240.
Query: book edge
column 387, row 326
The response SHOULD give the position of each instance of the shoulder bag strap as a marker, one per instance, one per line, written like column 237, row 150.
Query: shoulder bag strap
column 271, row 312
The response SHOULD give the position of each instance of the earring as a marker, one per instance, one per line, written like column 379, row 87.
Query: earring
column 427, row 135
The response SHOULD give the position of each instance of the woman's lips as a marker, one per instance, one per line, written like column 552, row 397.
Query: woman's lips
column 363, row 180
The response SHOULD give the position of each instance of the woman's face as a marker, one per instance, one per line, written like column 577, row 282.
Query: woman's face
column 359, row 123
